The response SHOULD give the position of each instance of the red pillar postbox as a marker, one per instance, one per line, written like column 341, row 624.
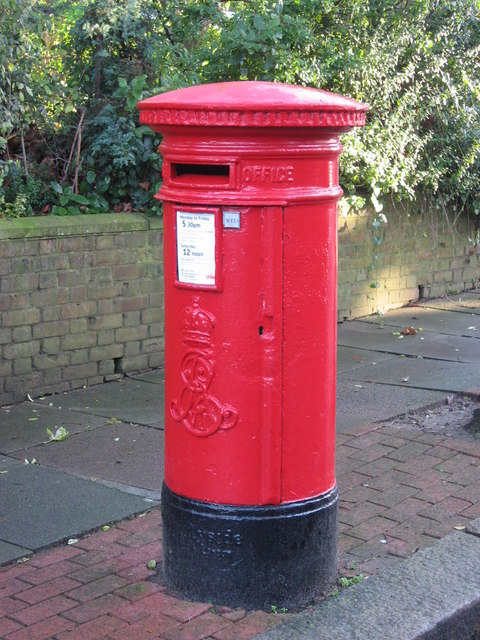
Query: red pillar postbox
column 250, row 198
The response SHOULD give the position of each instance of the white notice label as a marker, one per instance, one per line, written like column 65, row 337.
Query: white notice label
column 196, row 247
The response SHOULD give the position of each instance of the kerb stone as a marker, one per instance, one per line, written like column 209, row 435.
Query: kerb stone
column 434, row 595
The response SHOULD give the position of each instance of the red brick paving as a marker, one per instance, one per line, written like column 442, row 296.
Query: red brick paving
column 427, row 485
column 400, row 491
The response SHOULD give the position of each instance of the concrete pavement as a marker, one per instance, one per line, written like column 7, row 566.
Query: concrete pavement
column 401, row 489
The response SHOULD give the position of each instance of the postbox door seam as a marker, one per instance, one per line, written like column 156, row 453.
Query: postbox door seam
column 271, row 356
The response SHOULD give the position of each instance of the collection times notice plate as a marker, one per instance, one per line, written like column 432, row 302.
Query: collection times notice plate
column 196, row 248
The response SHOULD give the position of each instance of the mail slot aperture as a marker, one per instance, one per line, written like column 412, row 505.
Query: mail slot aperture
column 215, row 175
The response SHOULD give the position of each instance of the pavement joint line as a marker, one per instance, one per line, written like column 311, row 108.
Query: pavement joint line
column 467, row 312
column 404, row 385
column 90, row 411
column 98, row 415
column 395, row 354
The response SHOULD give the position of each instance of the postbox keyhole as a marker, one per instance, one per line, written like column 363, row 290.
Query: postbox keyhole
column 260, row 331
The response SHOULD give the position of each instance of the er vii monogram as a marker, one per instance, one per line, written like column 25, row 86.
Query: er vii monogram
column 200, row 412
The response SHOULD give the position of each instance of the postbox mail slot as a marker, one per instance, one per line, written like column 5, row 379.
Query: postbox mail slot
column 217, row 175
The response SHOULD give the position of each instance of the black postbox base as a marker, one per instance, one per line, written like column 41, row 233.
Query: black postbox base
column 250, row 557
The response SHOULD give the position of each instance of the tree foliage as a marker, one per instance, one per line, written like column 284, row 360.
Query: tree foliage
column 71, row 73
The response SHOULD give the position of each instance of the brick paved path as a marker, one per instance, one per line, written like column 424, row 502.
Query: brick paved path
column 400, row 491
column 99, row 588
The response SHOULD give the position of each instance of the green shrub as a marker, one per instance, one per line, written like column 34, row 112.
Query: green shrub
column 71, row 74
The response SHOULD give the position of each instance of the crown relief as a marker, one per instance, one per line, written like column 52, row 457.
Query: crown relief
column 198, row 324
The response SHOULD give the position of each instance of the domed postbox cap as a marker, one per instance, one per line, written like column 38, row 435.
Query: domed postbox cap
column 251, row 104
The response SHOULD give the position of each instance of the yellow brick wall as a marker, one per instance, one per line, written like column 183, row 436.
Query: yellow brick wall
column 418, row 248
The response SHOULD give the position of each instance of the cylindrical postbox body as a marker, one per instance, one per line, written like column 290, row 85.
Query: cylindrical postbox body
column 250, row 198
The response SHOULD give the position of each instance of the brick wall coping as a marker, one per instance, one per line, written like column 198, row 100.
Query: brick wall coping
column 52, row 226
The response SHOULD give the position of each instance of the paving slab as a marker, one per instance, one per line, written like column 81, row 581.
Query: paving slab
column 118, row 452
column 424, row 343
column 473, row 528
column 420, row 373
column 468, row 302
column 127, row 399
column 434, row 595
column 156, row 377
column 353, row 358
column 41, row 506
column 454, row 323
column 361, row 402
column 10, row 552
column 25, row 425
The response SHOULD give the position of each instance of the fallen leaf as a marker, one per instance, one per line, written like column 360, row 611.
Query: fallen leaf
column 409, row 331
column 151, row 564
column 32, row 419
column 60, row 434
column 144, row 185
column 72, row 541
column 460, row 527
